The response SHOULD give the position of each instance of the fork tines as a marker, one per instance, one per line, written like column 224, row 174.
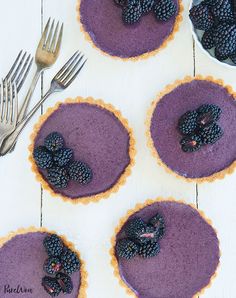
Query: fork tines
column 51, row 39
column 71, row 69
column 20, row 69
column 8, row 102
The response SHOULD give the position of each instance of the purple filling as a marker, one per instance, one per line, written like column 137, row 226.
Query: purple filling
column 97, row 138
column 103, row 22
column 188, row 257
column 21, row 263
column 209, row 159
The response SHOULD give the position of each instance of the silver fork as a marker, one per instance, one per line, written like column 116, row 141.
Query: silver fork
column 8, row 109
column 60, row 82
column 46, row 55
column 20, row 69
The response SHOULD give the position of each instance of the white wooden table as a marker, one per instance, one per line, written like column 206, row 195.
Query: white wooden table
column 130, row 87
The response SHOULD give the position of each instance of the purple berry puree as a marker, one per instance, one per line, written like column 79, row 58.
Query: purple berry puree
column 102, row 20
column 97, row 138
column 21, row 263
column 188, row 258
column 209, row 159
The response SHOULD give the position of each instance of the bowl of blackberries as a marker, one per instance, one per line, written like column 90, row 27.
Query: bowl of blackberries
column 214, row 28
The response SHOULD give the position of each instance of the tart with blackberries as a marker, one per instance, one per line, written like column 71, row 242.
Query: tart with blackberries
column 40, row 263
column 129, row 29
column 82, row 150
column 165, row 248
column 190, row 128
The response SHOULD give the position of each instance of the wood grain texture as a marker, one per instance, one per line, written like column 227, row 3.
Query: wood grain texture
column 130, row 87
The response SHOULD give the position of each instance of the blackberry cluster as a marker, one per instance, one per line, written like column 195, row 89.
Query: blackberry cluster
column 70, row 261
column 201, row 17
column 133, row 10
column 127, row 249
column 164, row 10
column 141, row 238
column 53, row 245
column 218, row 20
column 63, row 156
column 52, row 265
column 61, row 263
column 51, row 286
column 65, row 282
column 149, row 249
column 80, row 171
column 58, row 177
column 58, row 161
column 201, row 129
column 188, row 122
column 43, row 158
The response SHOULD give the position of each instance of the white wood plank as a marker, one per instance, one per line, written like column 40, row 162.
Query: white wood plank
column 130, row 87
column 20, row 193
column 218, row 199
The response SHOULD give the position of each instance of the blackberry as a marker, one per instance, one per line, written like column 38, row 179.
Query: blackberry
column 51, row 286
column 134, row 227
column 159, row 224
column 191, row 143
column 43, row 157
column 70, row 261
column 132, row 12
column 65, row 282
column 63, row 156
column 201, row 17
column 188, row 123
column 53, row 245
column 149, row 249
column 165, row 9
column 225, row 37
column 54, row 141
column 141, row 233
column 219, row 56
column 80, row 171
column 58, row 177
column 222, row 10
column 147, row 5
column 211, row 134
column 208, row 114
column 208, row 39
column 120, row 2
column 126, row 248
column 149, row 234
column 52, row 265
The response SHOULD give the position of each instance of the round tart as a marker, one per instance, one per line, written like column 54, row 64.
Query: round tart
column 210, row 161
column 98, row 136
column 23, row 257
column 139, row 40
column 187, row 257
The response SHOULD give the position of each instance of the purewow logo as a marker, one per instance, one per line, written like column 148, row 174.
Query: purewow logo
column 19, row 289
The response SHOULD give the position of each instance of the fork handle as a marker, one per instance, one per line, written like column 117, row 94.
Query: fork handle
column 27, row 99
column 11, row 140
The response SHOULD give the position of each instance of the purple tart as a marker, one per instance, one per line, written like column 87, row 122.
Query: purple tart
column 27, row 272
column 108, row 26
column 82, row 150
column 191, row 128
column 186, row 259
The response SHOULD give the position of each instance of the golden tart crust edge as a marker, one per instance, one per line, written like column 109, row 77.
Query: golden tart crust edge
column 176, row 27
column 121, row 181
column 124, row 219
column 83, row 272
column 169, row 88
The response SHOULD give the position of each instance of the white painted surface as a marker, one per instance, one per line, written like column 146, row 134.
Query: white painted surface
column 130, row 87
